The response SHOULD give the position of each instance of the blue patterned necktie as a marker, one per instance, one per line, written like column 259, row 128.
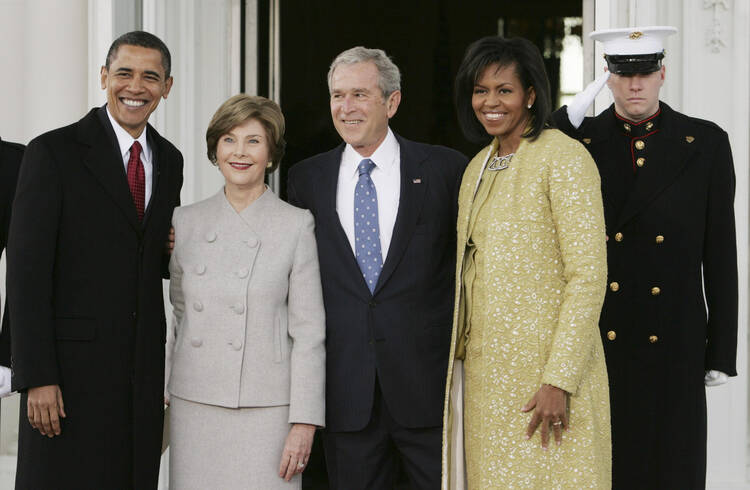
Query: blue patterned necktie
column 366, row 226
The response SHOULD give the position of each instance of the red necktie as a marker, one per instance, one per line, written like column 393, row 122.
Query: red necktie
column 137, row 179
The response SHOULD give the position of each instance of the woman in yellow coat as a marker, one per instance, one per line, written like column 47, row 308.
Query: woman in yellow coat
column 527, row 403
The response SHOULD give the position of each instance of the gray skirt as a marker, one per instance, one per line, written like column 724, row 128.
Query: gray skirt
column 227, row 448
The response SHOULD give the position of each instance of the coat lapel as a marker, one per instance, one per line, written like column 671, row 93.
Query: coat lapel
column 653, row 179
column 597, row 142
column 413, row 185
column 104, row 162
column 154, row 141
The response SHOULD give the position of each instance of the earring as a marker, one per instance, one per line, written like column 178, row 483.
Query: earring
column 528, row 106
column 269, row 165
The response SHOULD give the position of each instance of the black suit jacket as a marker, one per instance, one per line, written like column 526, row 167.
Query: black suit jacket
column 669, row 211
column 10, row 162
column 85, row 294
column 401, row 332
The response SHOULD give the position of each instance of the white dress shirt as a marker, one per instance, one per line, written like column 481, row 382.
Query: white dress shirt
column 386, row 176
column 126, row 141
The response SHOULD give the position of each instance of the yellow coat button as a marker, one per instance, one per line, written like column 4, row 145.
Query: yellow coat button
column 640, row 162
column 655, row 291
column 659, row 239
column 653, row 339
column 611, row 335
column 614, row 286
column 618, row 237
column 639, row 145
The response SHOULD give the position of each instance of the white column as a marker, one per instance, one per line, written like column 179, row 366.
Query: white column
column 43, row 45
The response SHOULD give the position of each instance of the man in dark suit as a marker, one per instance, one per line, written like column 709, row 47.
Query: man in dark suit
column 85, row 259
column 385, row 216
column 10, row 162
column 668, row 186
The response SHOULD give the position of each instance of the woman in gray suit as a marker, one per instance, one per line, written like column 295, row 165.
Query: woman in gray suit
column 247, row 384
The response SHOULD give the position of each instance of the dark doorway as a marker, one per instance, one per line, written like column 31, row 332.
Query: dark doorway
column 427, row 40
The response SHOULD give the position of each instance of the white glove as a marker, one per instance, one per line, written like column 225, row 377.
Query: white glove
column 715, row 378
column 4, row 381
column 581, row 102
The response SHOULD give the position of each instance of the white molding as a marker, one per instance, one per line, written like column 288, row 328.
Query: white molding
column 714, row 34
column 100, row 30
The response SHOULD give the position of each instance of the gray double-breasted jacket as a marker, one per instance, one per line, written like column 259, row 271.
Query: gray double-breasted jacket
column 248, row 308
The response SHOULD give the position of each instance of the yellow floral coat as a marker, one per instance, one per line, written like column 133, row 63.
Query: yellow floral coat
column 544, row 268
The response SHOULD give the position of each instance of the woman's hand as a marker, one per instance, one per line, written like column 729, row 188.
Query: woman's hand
column 296, row 450
column 550, row 405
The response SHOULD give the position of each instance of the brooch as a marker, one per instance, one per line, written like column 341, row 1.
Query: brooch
column 500, row 163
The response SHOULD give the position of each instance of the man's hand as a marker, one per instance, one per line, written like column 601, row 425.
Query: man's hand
column 45, row 407
column 169, row 246
column 4, row 381
column 296, row 450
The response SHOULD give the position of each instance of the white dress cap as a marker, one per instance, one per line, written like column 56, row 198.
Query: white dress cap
column 633, row 40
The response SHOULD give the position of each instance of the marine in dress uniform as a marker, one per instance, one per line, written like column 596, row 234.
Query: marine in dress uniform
column 668, row 187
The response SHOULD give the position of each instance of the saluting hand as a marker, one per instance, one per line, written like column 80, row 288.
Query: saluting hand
column 45, row 407
column 550, row 405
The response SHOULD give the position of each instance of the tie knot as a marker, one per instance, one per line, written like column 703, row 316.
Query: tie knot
column 136, row 149
column 365, row 167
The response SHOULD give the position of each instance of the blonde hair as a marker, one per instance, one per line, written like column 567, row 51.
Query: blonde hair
column 240, row 108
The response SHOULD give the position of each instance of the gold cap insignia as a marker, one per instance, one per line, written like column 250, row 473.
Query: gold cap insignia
column 586, row 140
column 689, row 139
column 635, row 35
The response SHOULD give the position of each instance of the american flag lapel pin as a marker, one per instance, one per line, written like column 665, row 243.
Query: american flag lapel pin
column 416, row 181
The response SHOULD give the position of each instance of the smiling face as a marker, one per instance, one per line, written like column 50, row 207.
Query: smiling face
column 499, row 102
column 243, row 154
column 636, row 96
column 135, row 83
column 360, row 112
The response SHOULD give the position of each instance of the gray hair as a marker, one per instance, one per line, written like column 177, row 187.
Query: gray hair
column 389, row 79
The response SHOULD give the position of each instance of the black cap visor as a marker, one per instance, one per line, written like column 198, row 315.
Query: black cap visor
column 628, row 64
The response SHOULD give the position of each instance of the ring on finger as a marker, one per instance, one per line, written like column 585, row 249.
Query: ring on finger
column 559, row 422
column 300, row 465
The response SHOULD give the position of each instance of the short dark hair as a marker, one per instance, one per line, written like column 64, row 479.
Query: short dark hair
column 529, row 66
column 243, row 107
column 145, row 40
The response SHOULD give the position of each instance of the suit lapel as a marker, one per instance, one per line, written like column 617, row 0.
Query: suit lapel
column 653, row 179
column 413, row 185
column 104, row 161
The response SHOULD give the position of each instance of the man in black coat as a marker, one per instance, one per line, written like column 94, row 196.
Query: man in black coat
column 85, row 259
column 668, row 186
column 10, row 162
column 385, row 223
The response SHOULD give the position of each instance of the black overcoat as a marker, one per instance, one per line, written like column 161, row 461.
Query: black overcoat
column 10, row 162
column 668, row 186
column 85, row 298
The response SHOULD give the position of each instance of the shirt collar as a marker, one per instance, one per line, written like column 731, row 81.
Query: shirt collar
column 125, row 140
column 384, row 157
